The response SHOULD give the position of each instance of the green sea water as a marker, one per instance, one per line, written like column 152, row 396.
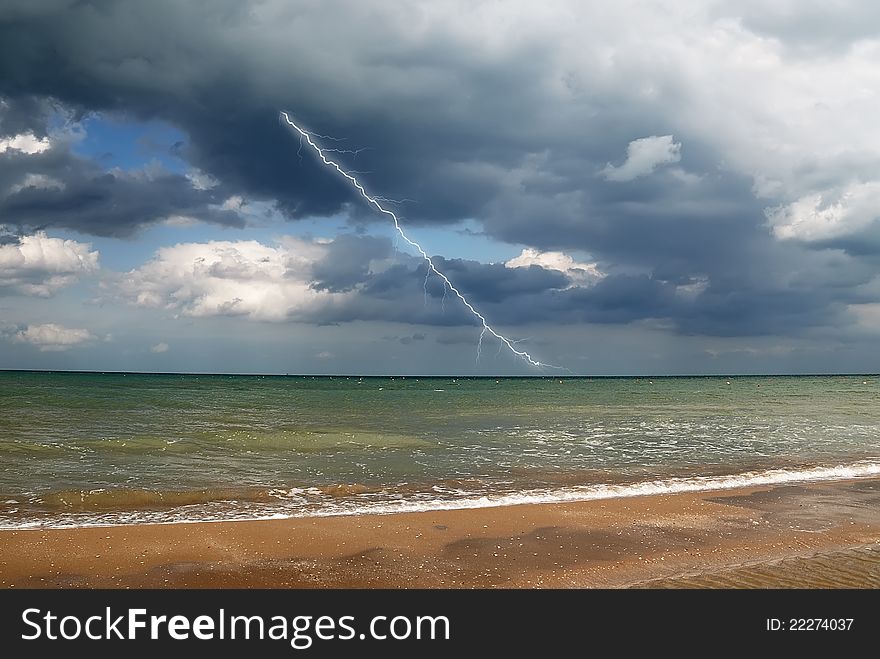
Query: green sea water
column 93, row 448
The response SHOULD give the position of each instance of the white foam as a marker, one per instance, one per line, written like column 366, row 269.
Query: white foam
column 464, row 500
column 861, row 469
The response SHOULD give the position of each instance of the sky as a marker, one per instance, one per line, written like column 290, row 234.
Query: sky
column 655, row 187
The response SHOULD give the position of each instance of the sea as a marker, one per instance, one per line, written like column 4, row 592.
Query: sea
column 86, row 449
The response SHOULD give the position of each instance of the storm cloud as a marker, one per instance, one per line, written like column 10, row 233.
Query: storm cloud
column 44, row 184
column 712, row 168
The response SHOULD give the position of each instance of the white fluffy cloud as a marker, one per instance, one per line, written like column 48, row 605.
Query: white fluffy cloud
column 643, row 156
column 580, row 274
column 817, row 217
column 25, row 143
column 53, row 338
column 245, row 277
column 159, row 348
column 200, row 180
column 40, row 265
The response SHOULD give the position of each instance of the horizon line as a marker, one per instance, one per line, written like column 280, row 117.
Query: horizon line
column 440, row 375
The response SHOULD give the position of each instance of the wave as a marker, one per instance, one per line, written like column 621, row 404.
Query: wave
column 356, row 499
column 860, row 469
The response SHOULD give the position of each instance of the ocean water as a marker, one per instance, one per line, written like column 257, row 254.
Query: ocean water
column 93, row 448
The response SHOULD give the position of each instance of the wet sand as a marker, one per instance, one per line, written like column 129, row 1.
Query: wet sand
column 807, row 535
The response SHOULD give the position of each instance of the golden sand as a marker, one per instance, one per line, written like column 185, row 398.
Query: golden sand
column 808, row 535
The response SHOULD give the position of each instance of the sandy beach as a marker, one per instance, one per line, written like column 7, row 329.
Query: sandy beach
column 806, row 535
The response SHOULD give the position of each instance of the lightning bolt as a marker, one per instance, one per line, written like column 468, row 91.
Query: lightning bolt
column 374, row 201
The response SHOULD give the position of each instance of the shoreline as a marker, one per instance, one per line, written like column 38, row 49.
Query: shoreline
column 861, row 469
column 655, row 540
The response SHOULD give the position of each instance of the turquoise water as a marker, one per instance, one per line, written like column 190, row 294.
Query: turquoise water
column 91, row 448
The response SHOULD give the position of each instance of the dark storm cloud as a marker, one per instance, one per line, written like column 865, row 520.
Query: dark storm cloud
column 491, row 283
column 26, row 114
column 402, row 293
column 406, row 340
column 863, row 243
column 519, row 300
column 221, row 72
column 769, row 299
column 76, row 193
column 455, row 338
column 508, row 296
column 680, row 231
column 347, row 262
column 8, row 237
column 466, row 121
column 509, row 134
